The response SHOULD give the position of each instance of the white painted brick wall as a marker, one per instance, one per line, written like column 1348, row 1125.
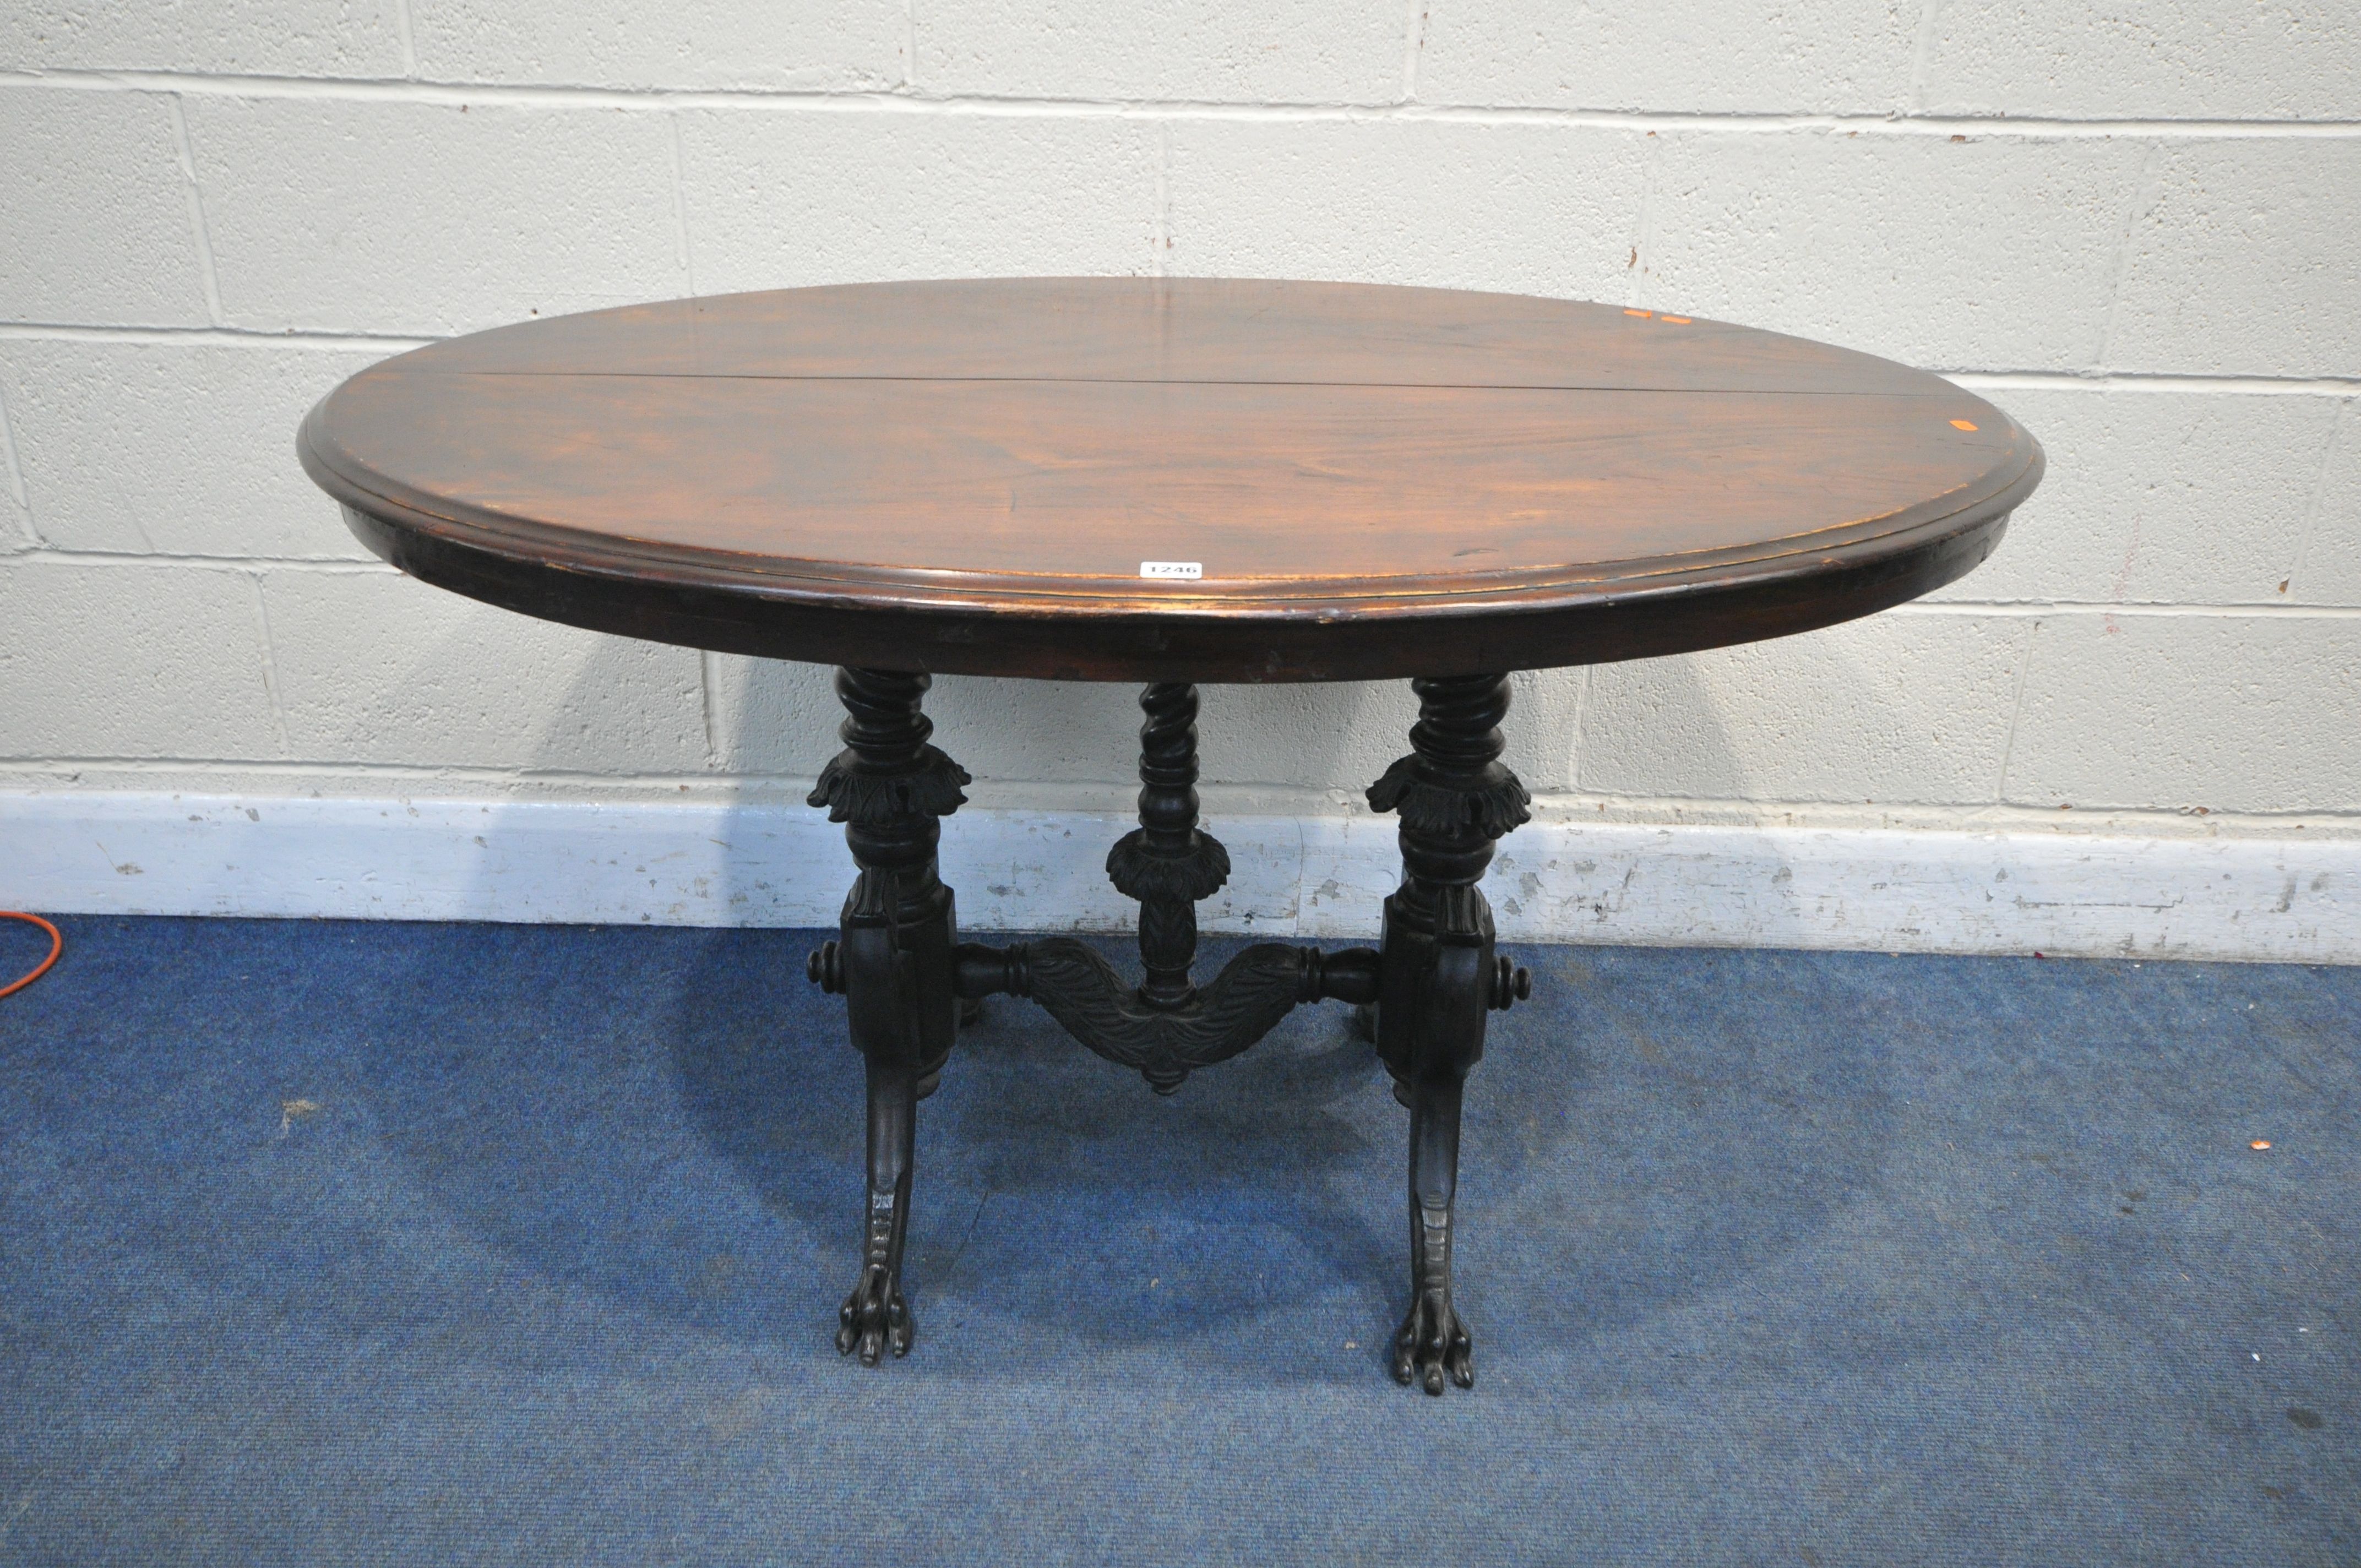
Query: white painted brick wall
column 2242, row 260
column 390, row 216
column 2198, row 59
column 2328, row 562
column 1276, row 51
column 783, row 199
column 2139, row 227
column 376, row 667
column 1840, row 57
column 2253, row 713
column 1525, row 209
column 849, row 45
column 133, row 660
column 207, row 431
column 2162, row 498
column 274, row 37
column 15, row 513
column 1900, row 708
column 100, row 215
column 1986, row 252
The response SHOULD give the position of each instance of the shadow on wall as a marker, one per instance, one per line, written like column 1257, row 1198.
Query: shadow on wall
column 1055, row 748
column 772, row 718
column 1068, row 747
column 1711, row 726
column 1668, row 730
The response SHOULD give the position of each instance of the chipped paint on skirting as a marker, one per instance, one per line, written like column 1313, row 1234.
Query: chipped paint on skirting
column 707, row 864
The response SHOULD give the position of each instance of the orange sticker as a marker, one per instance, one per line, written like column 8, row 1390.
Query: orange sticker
column 1643, row 315
column 1962, row 424
column 2260, row 1144
column 1683, row 321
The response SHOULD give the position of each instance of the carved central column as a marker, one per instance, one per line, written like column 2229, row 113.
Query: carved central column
column 1167, row 1027
column 1166, row 862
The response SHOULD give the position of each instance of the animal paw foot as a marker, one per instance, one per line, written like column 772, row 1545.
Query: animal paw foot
column 1431, row 1344
column 874, row 1318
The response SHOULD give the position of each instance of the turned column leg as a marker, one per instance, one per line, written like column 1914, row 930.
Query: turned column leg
column 1166, row 862
column 1439, row 977
column 893, row 963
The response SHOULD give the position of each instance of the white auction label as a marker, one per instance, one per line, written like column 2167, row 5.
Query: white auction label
column 1175, row 570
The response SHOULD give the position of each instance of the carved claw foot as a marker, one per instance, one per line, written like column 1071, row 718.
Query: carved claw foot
column 873, row 1317
column 891, row 963
column 1439, row 977
column 1433, row 1341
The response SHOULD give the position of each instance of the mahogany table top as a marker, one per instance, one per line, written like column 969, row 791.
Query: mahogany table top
column 1169, row 478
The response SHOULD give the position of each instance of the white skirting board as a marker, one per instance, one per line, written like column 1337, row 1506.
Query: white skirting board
column 705, row 864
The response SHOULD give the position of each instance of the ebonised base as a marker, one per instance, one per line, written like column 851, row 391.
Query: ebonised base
column 1423, row 994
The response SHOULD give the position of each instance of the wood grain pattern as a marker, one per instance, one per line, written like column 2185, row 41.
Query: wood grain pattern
column 966, row 476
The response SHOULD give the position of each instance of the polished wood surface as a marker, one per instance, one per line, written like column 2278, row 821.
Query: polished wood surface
column 969, row 477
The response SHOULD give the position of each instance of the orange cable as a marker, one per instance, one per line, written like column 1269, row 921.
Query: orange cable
column 57, row 945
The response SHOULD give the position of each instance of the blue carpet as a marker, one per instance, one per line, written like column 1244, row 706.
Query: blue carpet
column 327, row 1242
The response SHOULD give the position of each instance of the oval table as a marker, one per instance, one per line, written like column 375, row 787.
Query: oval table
column 1168, row 481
